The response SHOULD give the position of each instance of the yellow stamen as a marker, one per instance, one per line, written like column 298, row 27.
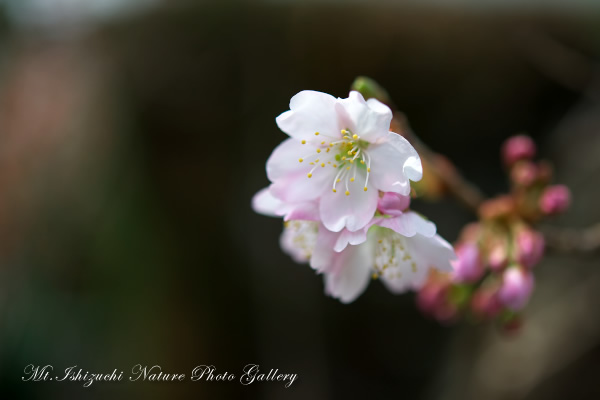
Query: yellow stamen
column 318, row 150
column 351, row 179
column 347, row 193
column 301, row 160
column 322, row 164
column 365, row 189
column 304, row 142
column 316, row 133
column 355, row 136
column 309, row 175
column 334, row 191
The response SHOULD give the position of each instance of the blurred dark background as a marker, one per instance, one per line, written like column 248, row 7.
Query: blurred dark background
column 132, row 142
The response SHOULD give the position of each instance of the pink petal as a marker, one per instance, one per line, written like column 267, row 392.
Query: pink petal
column 353, row 212
column 409, row 224
column 351, row 274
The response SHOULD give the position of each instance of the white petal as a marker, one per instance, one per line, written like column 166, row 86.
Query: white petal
column 354, row 211
column 310, row 112
column 284, row 159
column 323, row 257
column 351, row 273
column 393, row 162
column 308, row 211
column 298, row 187
column 369, row 119
column 429, row 252
column 264, row 203
column 346, row 237
column 409, row 224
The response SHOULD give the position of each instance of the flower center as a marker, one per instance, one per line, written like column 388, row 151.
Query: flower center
column 301, row 236
column 391, row 255
column 346, row 154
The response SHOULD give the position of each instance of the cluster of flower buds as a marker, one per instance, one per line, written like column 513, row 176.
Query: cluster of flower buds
column 341, row 182
column 493, row 274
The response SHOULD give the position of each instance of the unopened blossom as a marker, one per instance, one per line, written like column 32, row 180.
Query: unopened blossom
column 391, row 203
column 485, row 303
column 524, row 173
column 529, row 247
column 498, row 256
column 517, row 285
column 468, row 266
column 520, row 147
column 555, row 199
column 432, row 298
column 399, row 250
column 340, row 154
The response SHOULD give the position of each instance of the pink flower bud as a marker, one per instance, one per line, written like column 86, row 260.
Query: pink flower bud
column 524, row 173
column 498, row 257
column 485, row 303
column 431, row 296
column 393, row 203
column 529, row 247
column 517, row 285
column 555, row 199
column 517, row 148
column 467, row 266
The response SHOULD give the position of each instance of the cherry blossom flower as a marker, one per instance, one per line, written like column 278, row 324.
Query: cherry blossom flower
column 400, row 250
column 340, row 154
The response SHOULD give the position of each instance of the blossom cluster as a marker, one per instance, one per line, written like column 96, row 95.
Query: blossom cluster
column 341, row 182
column 493, row 274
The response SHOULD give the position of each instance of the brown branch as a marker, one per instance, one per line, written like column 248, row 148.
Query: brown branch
column 560, row 239
column 440, row 167
column 463, row 190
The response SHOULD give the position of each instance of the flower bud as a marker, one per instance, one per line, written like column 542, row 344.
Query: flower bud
column 524, row 173
column 517, row 285
column 433, row 294
column 393, row 203
column 498, row 207
column 555, row 199
column 520, row 147
column 529, row 247
column 498, row 257
column 485, row 303
column 467, row 266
